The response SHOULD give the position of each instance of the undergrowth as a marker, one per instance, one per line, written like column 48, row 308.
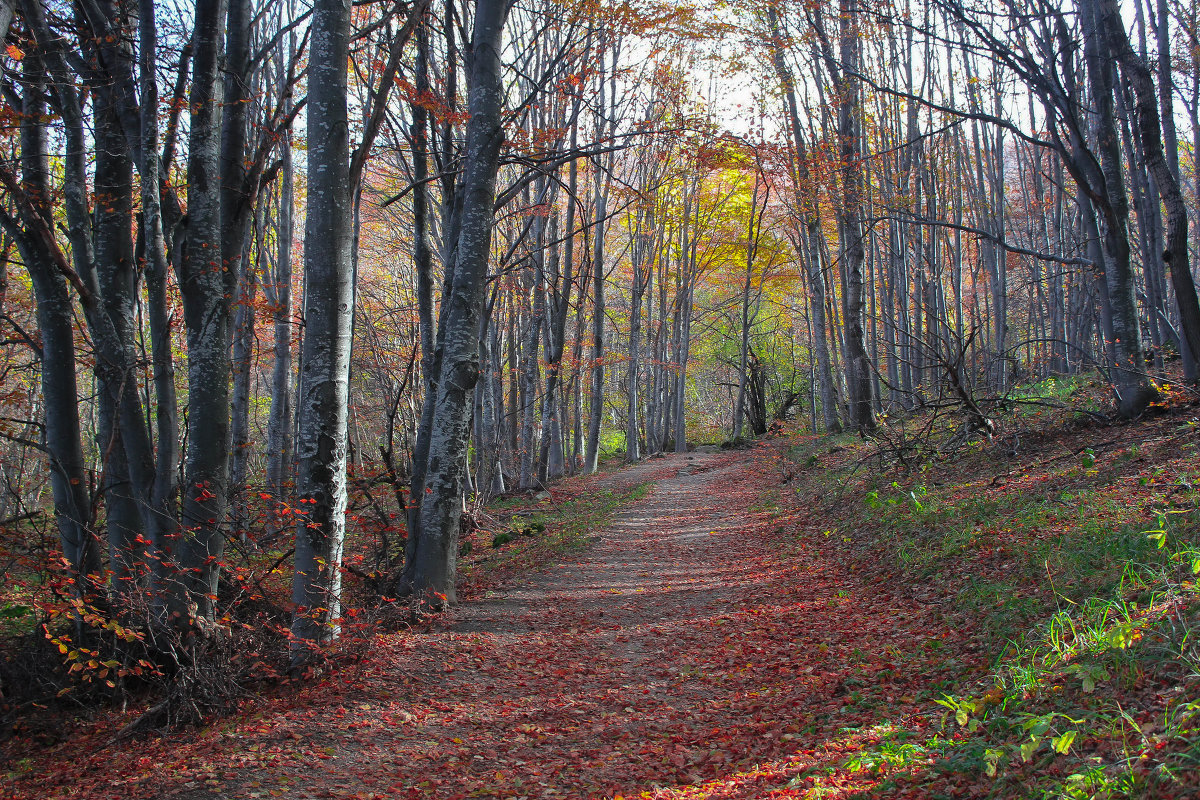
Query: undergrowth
column 1069, row 553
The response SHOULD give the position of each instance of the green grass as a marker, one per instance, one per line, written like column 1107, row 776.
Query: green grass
column 895, row 750
column 1073, row 542
column 1078, row 392
column 1055, row 698
column 551, row 530
column 577, row 520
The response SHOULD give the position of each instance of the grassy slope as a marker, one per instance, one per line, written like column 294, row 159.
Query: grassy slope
column 1064, row 553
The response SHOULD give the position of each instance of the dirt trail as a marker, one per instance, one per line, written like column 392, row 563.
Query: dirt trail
column 564, row 684
column 696, row 649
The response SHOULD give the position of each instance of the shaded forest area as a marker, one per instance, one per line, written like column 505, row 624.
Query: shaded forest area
column 291, row 291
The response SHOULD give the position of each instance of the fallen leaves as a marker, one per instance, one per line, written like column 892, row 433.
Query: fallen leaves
column 698, row 650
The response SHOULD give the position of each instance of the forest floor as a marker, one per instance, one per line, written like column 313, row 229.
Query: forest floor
column 799, row 619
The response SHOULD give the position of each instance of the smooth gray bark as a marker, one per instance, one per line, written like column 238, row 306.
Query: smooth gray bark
column 532, row 319
column 600, row 208
column 166, row 413
column 859, row 368
column 441, row 504
column 60, row 394
column 551, row 455
column 323, row 401
column 204, row 288
column 114, row 265
column 243, row 362
column 451, row 217
column 1160, row 163
column 642, row 238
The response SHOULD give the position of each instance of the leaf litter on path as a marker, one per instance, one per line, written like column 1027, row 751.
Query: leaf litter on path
column 699, row 649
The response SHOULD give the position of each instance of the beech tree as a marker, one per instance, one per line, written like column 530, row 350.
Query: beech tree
column 434, row 573
column 323, row 401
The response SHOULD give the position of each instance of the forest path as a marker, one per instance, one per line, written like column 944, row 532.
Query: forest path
column 708, row 644
column 686, row 653
column 605, row 672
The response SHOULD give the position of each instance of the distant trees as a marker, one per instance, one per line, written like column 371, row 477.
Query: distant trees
column 977, row 117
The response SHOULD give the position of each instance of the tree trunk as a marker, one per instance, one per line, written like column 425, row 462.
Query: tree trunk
column 113, row 225
column 63, row 437
column 441, row 504
column 243, row 363
column 1109, row 23
column 280, row 419
column 166, row 484
column 859, row 369
column 323, row 401
column 1132, row 388
column 600, row 192
column 203, row 286
column 641, row 253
